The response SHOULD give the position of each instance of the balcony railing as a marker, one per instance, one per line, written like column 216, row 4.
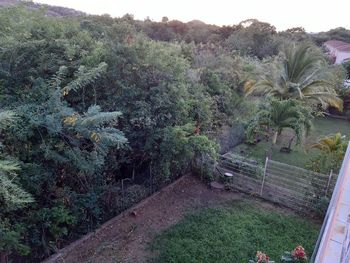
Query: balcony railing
column 333, row 244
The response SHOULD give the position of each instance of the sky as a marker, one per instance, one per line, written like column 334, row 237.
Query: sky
column 313, row 15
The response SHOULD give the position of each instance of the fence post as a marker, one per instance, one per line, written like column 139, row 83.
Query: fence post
column 133, row 173
column 150, row 178
column 123, row 193
column 264, row 176
column 328, row 183
column 202, row 161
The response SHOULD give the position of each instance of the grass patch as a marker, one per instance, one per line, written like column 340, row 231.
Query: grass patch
column 234, row 234
column 326, row 126
column 301, row 154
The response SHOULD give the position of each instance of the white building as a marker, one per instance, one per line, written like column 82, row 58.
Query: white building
column 338, row 50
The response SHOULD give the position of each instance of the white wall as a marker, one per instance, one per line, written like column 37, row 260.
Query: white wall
column 341, row 56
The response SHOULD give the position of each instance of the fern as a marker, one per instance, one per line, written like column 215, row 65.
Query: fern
column 13, row 194
column 59, row 77
column 85, row 77
column 8, row 166
column 97, row 126
column 6, row 118
column 94, row 117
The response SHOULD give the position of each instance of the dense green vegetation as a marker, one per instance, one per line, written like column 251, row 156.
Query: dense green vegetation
column 234, row 234
column 278, row 115
column 94, row 100
column 301, row 74
column 86, row 101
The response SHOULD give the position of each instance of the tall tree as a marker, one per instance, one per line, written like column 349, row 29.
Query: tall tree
column 253, row 38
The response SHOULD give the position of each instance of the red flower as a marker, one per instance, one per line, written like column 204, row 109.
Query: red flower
column 299, row 253
column 261, row 257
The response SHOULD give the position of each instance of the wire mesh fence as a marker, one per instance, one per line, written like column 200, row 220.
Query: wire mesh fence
column 291, row 186
column 132, row 189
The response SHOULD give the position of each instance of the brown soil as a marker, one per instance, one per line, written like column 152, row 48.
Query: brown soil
column 126, row 238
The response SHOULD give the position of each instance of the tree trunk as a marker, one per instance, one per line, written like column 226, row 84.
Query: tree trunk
column 3, row 257
column 274, row 138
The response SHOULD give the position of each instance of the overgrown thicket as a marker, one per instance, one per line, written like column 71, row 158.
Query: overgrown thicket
column 87, row 101
column 84, row 102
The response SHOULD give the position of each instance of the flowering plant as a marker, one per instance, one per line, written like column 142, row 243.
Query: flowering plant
column 261, row 258
column 298, row 255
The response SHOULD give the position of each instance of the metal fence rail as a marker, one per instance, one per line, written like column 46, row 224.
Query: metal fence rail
column 345, row 254
column 333, row 244
column 291, row 186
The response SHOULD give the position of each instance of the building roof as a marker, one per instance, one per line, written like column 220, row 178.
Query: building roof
column 339, row 45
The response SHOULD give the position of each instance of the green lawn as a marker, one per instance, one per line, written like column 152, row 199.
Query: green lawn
column 234, row 234
column 301, row 154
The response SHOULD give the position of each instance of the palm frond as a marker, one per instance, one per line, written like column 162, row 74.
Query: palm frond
column 301, row 75
column 331, row 143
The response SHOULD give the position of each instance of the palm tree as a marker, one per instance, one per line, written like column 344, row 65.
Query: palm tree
column 331, row 143
column 279, row 114
column 299, row 73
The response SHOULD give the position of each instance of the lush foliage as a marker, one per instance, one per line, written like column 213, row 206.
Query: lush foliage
column 275, row 115
column 331, row 143
column 87, row 101
column 12, row 195
column 301, row 73
column 254, row 38
column 233, row 234
column 331, row 153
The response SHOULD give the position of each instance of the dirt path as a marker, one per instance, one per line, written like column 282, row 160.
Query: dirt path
column 126, row 238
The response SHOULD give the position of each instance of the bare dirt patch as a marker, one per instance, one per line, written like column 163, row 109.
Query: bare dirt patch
column 126, row 238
